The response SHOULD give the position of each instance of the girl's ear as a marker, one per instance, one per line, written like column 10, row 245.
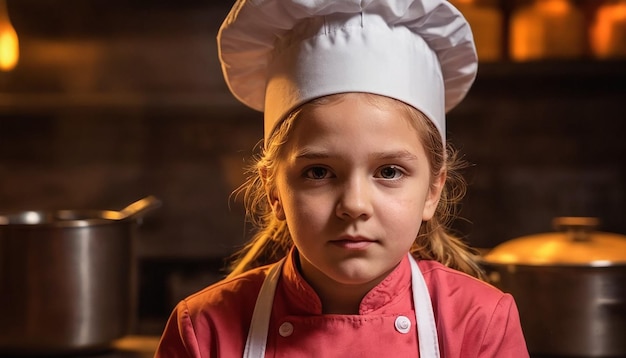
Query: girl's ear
column 276, row 205
column 433, row 197
column 272, row 196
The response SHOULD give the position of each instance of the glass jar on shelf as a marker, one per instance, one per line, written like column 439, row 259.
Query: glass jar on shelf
column 607, row 33
column 486, row 20
column 547, row 29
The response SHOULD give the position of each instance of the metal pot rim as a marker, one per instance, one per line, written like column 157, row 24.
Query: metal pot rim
column 597, row 264
column 80, row 218
column 58, row 218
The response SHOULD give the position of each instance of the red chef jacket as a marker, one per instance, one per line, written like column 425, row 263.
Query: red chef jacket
column 473, row 318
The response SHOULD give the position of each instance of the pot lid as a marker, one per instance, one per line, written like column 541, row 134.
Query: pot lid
column 574, row 243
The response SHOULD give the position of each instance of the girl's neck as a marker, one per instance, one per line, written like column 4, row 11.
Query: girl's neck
column 340, row 299
column 336, row 297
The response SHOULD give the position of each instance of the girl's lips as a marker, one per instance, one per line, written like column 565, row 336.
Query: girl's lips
column 353, row 243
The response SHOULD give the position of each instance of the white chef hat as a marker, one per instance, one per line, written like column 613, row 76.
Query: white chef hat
column 278, row 54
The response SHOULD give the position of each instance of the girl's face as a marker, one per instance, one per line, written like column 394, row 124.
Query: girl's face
column 354, row 186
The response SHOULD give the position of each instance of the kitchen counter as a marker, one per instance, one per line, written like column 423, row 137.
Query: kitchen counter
column 134, row 346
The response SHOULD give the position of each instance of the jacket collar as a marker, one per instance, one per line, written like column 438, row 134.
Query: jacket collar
column 381, row 299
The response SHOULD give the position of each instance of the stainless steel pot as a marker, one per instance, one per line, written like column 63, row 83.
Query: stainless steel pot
column 67, row 278
column 570, row 288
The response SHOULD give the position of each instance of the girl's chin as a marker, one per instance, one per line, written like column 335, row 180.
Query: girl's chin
column 357, row 270
column 358, row 276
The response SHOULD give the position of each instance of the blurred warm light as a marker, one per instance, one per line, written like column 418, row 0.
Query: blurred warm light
column 9, row 45
column 547, row 29
column 608, row 32
column 487, row 24
column 555, row 7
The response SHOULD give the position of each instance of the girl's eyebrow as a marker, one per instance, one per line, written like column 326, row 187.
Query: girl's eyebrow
column 398, row 154
column 309, row 154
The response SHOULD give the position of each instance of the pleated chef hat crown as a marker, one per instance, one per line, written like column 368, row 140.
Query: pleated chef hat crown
column 278, row 54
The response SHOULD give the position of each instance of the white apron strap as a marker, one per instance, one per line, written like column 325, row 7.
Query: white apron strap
column 424, row 316
column 259, row 326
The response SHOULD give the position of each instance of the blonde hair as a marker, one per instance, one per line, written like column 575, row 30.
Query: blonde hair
column 272, row 240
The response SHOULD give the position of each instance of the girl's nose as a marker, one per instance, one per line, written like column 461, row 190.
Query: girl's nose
column 355, row 200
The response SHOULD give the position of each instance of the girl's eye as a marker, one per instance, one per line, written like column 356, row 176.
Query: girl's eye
column 389, row 172
column 317, row 173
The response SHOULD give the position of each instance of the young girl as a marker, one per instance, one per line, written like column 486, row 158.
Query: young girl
column 351, row 193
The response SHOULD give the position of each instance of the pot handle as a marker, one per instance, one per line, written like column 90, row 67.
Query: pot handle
column 577, row 228
column 139, row 208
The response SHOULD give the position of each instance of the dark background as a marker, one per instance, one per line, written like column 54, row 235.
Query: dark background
column 115, row 100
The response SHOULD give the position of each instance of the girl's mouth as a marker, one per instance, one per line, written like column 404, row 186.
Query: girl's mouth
column 353, row 243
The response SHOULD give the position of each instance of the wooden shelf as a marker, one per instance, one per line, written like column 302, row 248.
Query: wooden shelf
column 559, row 77
column 565, row 78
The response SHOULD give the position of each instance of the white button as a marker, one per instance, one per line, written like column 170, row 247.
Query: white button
column 285, row 329
column 403, row 324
